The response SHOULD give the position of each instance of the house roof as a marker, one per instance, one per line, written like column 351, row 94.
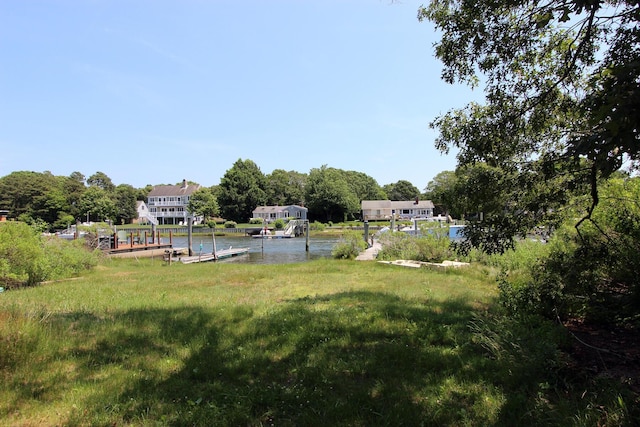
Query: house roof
column 268, row 209
column 396, row 204
column 183, row 189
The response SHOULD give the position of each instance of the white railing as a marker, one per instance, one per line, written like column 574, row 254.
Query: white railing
column 172, row 204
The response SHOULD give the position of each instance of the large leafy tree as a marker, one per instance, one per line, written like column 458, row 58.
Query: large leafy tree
column 401, row 190
column 27, row 194
column 204, row 203
column 74, row 187
column 101, row 180
column 363, row 186
column 561, row 110
column 443, row 191
column 97, row 205
column 125, row 203
column 329, row 196
column 285, row 188
column 241, row 190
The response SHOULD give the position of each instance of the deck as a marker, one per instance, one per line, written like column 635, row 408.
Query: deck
column 140, row 250
column 129, row 245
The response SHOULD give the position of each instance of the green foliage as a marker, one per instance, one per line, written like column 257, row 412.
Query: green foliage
column 96, row 204
column 125, row 204
column 241, row 190
column 203, row 203
column 64, row 221
column 211, row 224
column 350, row 245
column 38, row 224
column 256, row 221
column 444, row 193
column 527, row 346
column 28, row 258
column 279, row 223
column 432, row 245
column 316, row 226
column 556, row 115
column 40, row 196
column 68, row 258
column 401, row 190
column 590, row 271
column 524, row 256
column 363, row 186
column 22, row 255
column 230, row 224
column 329, row 195
column 102, row 181
column 285, row 188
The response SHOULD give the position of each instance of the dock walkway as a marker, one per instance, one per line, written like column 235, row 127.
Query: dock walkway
column 220, row 254
column 371, row 253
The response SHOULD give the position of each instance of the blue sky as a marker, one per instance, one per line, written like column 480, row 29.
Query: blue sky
column 153, row 92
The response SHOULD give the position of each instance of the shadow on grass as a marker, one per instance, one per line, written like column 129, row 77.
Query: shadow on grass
column 358, row 358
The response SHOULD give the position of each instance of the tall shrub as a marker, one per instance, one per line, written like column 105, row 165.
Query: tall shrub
column 350, row 245
column 591, row 269
column 27, row 258
column 433, row 245
column 21, row 253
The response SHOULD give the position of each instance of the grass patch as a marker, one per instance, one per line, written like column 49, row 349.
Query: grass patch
column 319, row 343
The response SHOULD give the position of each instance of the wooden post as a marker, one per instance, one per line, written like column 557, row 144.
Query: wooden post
column 306, row 225
column 366, row 232
column 190, row 235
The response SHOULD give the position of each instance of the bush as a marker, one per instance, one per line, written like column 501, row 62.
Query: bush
column 68, row 258
column 211, row 224
column 256, row 221
column 349, row 246
column 279, row 224
column 230, row 224
column 432, row 246
column 317, row 226
column 589, row 272
column 21, row 253
column 26, row 258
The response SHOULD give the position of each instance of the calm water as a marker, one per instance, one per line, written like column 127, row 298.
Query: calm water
column 264, row 251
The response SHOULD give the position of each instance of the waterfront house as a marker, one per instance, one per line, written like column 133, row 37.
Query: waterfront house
column 168, row 203
column 402, row 209
column 143, row 212
column 272, row 213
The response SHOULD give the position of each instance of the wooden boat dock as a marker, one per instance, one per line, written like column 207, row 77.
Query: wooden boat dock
column 130, row 245
column 218, row 255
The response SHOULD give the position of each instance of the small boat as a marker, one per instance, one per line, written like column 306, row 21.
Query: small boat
column 263, row 234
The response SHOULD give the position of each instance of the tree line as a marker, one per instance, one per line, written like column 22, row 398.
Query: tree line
column 54, row 202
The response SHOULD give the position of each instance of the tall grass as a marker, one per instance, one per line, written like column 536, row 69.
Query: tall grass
column 321, row 343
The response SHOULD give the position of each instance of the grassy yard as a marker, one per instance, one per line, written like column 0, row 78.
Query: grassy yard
column 319, row 343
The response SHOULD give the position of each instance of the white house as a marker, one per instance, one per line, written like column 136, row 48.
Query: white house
column 168, row 203
column 402, row 209
column 272, row 213
column 143, row 212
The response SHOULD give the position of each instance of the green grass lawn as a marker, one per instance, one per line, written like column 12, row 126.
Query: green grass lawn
column 319, row 343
